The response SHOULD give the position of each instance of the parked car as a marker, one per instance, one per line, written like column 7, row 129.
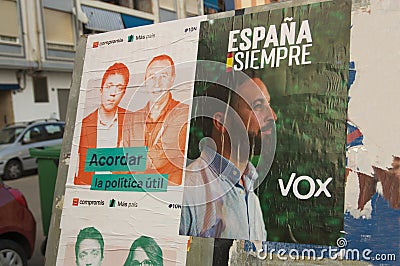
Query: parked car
column 17, row 139
column 17, row 227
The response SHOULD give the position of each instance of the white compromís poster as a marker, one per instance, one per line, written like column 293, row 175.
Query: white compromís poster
column 124, row 184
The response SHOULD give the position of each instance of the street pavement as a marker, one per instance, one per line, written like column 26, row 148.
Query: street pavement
column 29, row 186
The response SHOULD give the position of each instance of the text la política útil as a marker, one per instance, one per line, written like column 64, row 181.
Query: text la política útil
column 253, row 50
column 128, row 182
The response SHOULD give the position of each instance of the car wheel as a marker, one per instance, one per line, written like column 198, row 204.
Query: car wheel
column 12, row 254
column 13, row 169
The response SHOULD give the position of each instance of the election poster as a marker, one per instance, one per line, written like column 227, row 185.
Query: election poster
column 267, row 156
column 119, row 229
column 124, row 184
column 371, row 204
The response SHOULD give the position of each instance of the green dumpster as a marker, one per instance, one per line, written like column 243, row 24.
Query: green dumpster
column 47, row 159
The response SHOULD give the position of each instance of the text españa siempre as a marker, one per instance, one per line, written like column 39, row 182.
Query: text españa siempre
column 258, row 47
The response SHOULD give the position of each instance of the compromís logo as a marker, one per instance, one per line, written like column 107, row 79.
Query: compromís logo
column 77, row 202
column 108, row 42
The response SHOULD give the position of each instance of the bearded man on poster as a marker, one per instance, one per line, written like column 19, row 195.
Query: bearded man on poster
column 219, row 199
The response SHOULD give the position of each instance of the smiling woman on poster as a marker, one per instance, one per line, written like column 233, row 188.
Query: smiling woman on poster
column 145, row 252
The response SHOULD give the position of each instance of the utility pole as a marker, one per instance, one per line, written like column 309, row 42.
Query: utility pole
column 59, row 191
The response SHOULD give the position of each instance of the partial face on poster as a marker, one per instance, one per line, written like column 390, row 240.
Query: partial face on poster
column 89, row 247
column 255, row 112
column 144, row 251
column 112, row 92
column 160, row 77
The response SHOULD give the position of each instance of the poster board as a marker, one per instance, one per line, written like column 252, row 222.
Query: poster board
column 297, row 208
column 117, row 199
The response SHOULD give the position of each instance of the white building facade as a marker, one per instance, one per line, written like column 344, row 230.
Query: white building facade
column 38, row 39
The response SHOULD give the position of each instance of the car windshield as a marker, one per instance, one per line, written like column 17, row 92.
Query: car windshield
column 9, row 134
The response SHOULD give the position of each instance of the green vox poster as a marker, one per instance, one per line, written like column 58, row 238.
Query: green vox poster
column 266, row 158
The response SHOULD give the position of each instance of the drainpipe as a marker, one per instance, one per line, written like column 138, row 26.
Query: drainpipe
column 80, row 17
column 200, row 7
column 39, row 20
column 180, row 9
column 156, row 10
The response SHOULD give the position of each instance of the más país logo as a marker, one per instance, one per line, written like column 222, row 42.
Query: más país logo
column 112, row 203
column 139, row 37
column 122, row 203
